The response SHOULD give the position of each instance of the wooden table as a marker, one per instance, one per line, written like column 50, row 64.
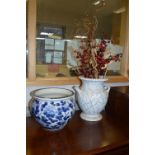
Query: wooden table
column 110, row 136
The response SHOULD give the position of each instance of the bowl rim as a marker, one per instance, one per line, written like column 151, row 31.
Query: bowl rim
column 32, row 94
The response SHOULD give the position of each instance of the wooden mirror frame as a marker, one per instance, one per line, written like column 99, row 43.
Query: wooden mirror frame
column 32, row 80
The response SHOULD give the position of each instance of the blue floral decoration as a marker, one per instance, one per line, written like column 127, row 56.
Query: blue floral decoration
column 53, row 114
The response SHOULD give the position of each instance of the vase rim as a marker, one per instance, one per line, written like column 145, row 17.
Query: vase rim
column 92, row 79
column 52, row 93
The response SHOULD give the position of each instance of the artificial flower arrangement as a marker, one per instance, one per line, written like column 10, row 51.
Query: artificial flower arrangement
column 93, row 58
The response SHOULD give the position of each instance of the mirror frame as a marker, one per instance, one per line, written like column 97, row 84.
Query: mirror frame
column 32, row 80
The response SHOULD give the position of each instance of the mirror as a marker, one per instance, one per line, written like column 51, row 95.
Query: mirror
column 61, row 25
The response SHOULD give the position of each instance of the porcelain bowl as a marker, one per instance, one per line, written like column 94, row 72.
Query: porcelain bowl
column 52, row 107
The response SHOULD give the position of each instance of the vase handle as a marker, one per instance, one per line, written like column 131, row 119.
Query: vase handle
column 107, row 88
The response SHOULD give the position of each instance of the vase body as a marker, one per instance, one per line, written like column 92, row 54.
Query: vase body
column 92, row 98
column 52, row 107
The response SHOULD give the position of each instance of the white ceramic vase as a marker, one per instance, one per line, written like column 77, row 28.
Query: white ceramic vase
column 92, row 97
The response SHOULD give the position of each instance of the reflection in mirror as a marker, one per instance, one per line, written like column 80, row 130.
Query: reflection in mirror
column 61, row 25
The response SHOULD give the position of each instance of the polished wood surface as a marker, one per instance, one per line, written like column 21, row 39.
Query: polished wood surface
column 32, row 14
column 69, row 80
column 108, row 137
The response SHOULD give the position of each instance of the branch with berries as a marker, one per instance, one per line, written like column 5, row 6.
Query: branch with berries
column 93, row 59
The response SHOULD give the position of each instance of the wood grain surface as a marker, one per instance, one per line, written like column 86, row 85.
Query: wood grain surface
column 110, row 136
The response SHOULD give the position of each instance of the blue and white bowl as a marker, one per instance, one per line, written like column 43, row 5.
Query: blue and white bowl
column 52, row 107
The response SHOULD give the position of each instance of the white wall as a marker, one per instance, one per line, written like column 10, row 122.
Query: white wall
column 31, row 88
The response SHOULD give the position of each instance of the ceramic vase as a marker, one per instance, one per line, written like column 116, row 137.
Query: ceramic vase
column 52, row 107
column 92, row 98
